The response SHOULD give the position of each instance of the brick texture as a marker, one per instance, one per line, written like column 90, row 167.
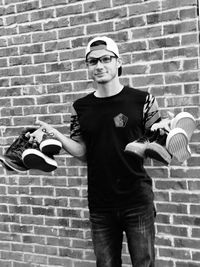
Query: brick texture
column 44, row 216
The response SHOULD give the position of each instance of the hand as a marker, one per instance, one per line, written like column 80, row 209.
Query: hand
column 38, row 134
column 164, row 123
column 45, row 127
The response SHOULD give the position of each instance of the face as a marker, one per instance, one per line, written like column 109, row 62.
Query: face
column 105, row 69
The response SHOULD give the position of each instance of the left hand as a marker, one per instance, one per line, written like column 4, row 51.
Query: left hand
column 164, row 123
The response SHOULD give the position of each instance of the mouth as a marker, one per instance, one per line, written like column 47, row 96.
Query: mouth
column 99, row 74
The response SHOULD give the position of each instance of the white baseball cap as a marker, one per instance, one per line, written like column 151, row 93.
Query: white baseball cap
column 105, row 43
column 109, row 45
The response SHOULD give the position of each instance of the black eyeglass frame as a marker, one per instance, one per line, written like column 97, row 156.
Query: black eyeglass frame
column 95, row 60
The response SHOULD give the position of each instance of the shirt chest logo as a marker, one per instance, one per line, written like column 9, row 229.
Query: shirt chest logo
column 120, row 120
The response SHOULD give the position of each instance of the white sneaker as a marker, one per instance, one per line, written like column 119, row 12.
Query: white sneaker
column 49, row 145
column 158, row 152
column 137, row 147
column 185, row 121
column 177, row 144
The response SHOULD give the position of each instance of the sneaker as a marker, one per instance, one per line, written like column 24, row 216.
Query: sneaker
column 48, row 144
column 138, row 147
column 151, row 145
column 177, row 144
column 34, row 159
column 158, row 152
column 185, row 121
column 12, row 165
column 12, row 158
column 156, row 148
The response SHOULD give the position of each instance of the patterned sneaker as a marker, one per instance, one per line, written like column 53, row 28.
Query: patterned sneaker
column 12, row 158
column 185, row 121
column 49, row 145
column 177, row 144
column 11, row 165
column 35, row 159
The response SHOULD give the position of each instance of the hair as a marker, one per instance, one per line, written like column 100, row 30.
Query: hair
column 97, row 43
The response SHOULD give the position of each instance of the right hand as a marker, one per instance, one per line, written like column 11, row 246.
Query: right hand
column 45, row 127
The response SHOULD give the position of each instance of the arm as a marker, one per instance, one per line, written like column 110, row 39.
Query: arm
column 151, row 114
column 152, row 118
column 75, row 148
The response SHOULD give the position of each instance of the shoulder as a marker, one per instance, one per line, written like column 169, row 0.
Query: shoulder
column 83, row 100
column 131, row 91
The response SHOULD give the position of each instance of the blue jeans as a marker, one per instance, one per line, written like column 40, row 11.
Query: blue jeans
column 107, row 236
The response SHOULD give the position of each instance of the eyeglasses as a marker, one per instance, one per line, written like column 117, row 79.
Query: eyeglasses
column 104, row 60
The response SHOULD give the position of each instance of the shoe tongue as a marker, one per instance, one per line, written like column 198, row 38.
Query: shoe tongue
column 143, row 139
column 38, row 134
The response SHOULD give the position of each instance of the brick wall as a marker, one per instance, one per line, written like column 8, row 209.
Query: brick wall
column 44, row 217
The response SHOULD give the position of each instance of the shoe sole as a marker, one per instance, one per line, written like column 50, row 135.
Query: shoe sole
column 34, row 159
column 11, row 166
column 185, row 121
column 50, row 147
column 136, row 149
column 158, row 152
column 177, row 144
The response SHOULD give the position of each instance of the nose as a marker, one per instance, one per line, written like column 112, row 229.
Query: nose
column 99, row 64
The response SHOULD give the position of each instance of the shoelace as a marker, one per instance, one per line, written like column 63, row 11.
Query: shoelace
column 142, row 139
column 20, row 145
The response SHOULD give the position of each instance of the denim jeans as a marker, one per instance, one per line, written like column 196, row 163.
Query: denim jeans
column 107, row 236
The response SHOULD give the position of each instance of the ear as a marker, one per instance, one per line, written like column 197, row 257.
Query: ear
column 119, row 62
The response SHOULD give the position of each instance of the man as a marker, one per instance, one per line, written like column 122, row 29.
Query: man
column 120, row 193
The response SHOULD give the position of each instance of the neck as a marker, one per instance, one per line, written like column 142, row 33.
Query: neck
column 108, row 89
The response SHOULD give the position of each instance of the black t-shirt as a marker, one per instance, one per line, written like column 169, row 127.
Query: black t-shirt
column 116, row 179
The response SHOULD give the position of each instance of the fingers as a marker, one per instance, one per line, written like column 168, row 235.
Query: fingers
column 45, row 127
column 170, row 115
column 41, row 123
column 164, row 124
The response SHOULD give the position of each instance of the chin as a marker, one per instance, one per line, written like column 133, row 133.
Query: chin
column 102, row 81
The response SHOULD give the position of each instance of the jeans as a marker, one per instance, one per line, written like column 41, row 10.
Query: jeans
column 107, row 235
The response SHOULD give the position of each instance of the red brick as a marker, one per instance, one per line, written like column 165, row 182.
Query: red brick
column 42, row 15
column 30, row 28
column 69, row 10
column 67, row 33
column 172, row 15
column 43, row 37
column 130, row 23
column 180, row 27
column 172, row 4
column 100, row 28
column 27, row 6
column 96, row 5
column 144, row 8
column 149, row 32
column 84, row 19
column 47, row 3
column 113, row 14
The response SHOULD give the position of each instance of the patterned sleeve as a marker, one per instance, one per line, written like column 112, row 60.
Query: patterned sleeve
column 151, row 113
column 75, row 130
